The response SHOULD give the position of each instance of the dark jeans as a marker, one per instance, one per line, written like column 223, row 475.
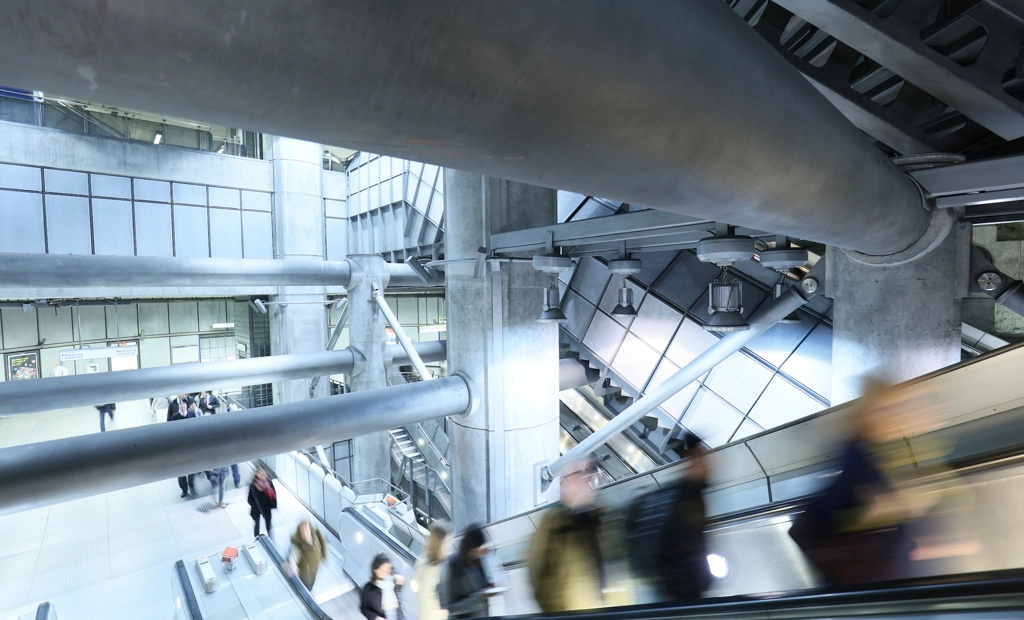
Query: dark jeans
column 256, row 523
column 185, row 483
column 234, row 474
column 103, row 426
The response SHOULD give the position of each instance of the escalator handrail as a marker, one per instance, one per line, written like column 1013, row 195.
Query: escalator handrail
column 396, row 546
column 906, row 593
column 293, row 579
column 43, row 611
column 186, row 588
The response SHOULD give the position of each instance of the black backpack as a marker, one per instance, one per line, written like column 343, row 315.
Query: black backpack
column 649, row 522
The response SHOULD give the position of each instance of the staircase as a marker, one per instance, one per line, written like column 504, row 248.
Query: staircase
column 407, row 446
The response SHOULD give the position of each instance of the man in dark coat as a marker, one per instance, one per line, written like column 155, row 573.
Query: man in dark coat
column 179, row 409
column 104, row 411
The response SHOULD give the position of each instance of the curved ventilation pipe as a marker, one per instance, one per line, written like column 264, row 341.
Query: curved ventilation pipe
column 700, row 117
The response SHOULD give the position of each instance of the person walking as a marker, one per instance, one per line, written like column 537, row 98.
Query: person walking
column 262, row 499
column 466, row 583
column 428, row 574
column 179, row 409
column 217, row 477
column 159, row 402
column 380, row 595
column 104, row 410
column 208, row 403
column 309, row 549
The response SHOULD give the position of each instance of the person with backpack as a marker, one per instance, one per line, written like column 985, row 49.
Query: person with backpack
column 665, row 533
column 568, row 559
column 309, row 549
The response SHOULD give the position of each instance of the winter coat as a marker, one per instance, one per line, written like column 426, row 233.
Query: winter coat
column 261, row 503
column 428, row 577
column 371, row 604
column 567, row 563
column 461, row 588
column 307, row 556
column 684, row 572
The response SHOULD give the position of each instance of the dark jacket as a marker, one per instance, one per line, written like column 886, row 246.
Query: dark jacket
column 172, row 410
column 261, row 503
column 175, row 416
column 107, row 408
column 209, row 404
column 684, row 571
column 461, row 588
column 371, row 606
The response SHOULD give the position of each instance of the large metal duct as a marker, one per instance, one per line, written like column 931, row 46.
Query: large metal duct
column 23, row 397
column 39, row 474
column 675, row 105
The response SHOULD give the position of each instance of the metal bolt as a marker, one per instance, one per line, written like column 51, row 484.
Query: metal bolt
column 990, row 281
column 809, row 285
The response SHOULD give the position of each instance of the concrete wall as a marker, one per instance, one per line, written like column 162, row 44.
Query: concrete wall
column 165, row 330
column 63, row 193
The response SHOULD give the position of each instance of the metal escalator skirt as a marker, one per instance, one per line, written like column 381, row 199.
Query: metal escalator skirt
column 293, row 579
column 396, row 547
column 186, row 590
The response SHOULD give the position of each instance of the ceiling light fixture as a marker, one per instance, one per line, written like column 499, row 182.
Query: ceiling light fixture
column 158, row 138
column 623, row 267
column 725, row 305
column 552, row 312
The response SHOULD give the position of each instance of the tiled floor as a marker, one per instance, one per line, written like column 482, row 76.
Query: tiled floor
column 110, row 556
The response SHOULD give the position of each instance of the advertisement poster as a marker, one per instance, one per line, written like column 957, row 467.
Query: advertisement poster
column 21, row 366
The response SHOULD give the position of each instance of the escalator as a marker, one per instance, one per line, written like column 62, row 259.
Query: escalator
column 256, row 588
column 762, row 482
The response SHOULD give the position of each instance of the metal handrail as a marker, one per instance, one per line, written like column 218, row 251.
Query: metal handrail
column 399, row 493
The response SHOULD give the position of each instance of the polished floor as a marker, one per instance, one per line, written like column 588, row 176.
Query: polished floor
column 110, row 556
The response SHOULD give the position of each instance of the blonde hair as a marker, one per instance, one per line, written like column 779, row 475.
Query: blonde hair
column 435, row 544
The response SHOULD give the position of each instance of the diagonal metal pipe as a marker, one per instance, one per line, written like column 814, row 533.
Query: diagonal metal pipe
column 773, row 312
column 23, row 397
column 702, row 117
column 39, row 474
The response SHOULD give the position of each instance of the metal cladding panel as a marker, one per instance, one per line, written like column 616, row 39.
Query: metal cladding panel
column 153, row 318
column 187, row 194
column 257, row 235
column 68, row 225
column 56, row 327
column 739, row 380
column 782, row 402
column 153, row 229
column 153, row 191
column 66, row 182
column 122, row 321
column 255, row 201
column 225, row 233
column 811, row 363
column 19, row 329
column 810, row 442
column 604, row 336
column 93, row 323
column 111, row 187
column 224, row 197
column 191, row 232
column 656, row 322
column 113, row 227
column 21, row 222
column 184, row 316
column 635, row 361
column 20, row 177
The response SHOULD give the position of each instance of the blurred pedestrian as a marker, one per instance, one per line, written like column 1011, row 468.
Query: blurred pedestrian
column 466, row 583
column 262, row 499
column 158, row 403
column 855, row 530
column 309, row 549
column 666, row 534
column 180, row 409
column 208, row 403
column 567, row 562
column 177, row 407
column 428, row 574
column 105, row 410
column 380, row 594
column 217, row 477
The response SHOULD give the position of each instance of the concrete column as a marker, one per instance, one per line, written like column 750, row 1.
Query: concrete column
column 495, row 339
column 298, row 322
column 371, row 454
column 895, row 322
